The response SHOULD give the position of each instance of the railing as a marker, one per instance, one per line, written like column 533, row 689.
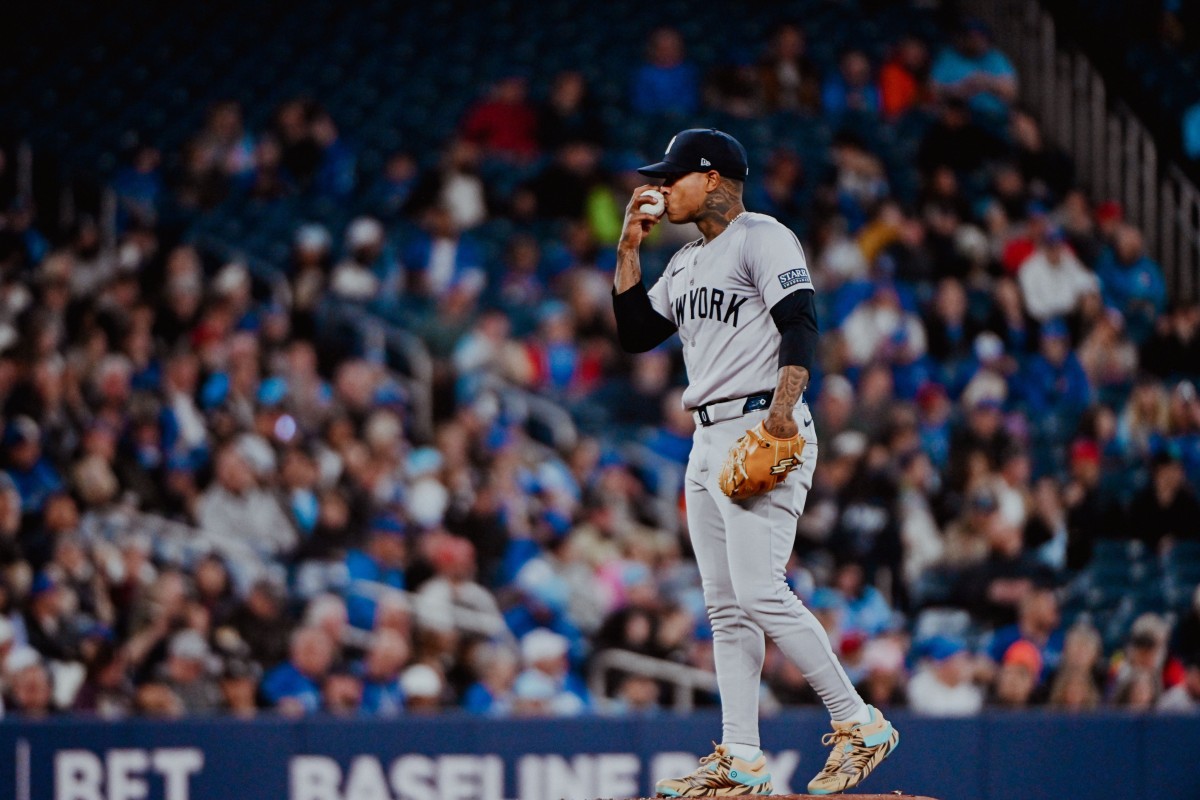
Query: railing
column 685, row 679
column 490, row 626
column 669, row 476
column 375, row 332
column 394, row 340
column 528, row 406
column 531, row 410
column 178, row 543
column 1115, row 154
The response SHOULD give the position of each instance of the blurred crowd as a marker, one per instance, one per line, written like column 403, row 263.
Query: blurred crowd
column 1156, row 66
column 212, row 503
column 1172, row 27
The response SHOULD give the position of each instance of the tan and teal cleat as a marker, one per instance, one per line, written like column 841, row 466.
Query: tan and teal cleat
column 720, row 775
column 857, row 750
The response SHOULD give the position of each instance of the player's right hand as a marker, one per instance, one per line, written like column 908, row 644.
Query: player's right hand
column 637, row 224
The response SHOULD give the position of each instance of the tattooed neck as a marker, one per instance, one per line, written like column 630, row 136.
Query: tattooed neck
column 720, row 207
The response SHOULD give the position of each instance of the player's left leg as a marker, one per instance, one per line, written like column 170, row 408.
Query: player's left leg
column 761, row 532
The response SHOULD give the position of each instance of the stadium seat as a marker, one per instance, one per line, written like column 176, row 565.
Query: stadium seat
column 1184, row 554
column 1107, row 551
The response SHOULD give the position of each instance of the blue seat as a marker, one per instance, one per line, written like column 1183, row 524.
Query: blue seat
column 1117, row 551
column 1185, row 553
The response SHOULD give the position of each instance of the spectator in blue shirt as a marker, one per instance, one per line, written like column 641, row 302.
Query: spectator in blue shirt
column 380, row 672
column 381, row 562
column 32, row 474
column 673, row 438
column 337, row 172
column 520, row 286
column 1184, row 442
column 1037, row 623
column 441, row 261
column 492, row 694
column 1054, row 381
column 976, row 71
column 933, row 423
column 667, row 83
column 851, row 88
column 139, row 188
column 544, row 654
column 1132, row 282
column 391, row 192
column 542, row 605
column 294, row 687
column 342, row 693
column 865, row 609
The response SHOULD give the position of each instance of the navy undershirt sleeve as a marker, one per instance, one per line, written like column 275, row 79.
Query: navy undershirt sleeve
column 639, row 327
column 796, row 317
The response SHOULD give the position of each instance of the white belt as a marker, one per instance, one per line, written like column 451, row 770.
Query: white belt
column 724, row 410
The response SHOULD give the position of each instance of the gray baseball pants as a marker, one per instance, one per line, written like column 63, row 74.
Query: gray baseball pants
column 742, row 550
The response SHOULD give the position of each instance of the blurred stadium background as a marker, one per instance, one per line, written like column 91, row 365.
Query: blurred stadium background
column 313, row 411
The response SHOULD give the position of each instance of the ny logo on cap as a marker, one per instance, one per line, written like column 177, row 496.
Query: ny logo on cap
column 671, row 144
column 704, row 162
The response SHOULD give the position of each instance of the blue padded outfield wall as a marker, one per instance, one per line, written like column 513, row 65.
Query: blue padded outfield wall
column 457, row 757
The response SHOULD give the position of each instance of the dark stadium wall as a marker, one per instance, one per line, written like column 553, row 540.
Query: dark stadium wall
column 994, row 757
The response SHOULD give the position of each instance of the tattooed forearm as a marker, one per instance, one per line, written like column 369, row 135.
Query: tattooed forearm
column 792, row 382
column 720, row 207
column 629, row 269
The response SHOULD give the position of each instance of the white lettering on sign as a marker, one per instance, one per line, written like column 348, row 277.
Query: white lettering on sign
column 413, row 778
column 529, row 778
column 137, row 774
column 458, row 777
column 124, row 769
column 78, row 775
column 567, row 779
column 551, row 777
column 366, row 781
column 410, row 777
column 176, row 765
column 313, row 778
column 492, row 784
column 122, row 774
column 470, row 777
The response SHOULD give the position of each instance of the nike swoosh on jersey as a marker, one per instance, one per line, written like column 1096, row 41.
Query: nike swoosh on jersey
column 808, row 422
column 676, row 272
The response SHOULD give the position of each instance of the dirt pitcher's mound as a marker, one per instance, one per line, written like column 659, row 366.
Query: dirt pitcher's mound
column 891, row 796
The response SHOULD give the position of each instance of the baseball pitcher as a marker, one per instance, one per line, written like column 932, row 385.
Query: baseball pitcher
column 741, row 300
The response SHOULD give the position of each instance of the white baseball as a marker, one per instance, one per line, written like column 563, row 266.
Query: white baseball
column 656, row 207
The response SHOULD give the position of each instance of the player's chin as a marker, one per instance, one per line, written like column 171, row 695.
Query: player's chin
column 673, row 216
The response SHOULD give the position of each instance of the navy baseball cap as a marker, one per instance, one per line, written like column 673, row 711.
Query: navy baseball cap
column 939, row 648
column 1055, row 328
column 976, row 25
column 701, row 150
column 387, row 525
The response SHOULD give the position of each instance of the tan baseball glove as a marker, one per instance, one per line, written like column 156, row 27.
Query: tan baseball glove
column 758, row 462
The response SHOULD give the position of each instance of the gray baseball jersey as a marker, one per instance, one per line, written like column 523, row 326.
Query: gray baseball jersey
column 720, row 296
